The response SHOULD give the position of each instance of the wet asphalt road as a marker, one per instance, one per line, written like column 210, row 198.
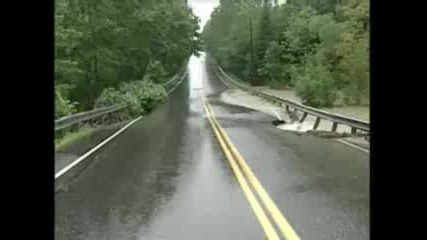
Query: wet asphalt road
column 167, row 178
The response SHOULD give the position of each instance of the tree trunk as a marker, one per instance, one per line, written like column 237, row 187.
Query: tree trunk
column 95, row 81
column 117, row 75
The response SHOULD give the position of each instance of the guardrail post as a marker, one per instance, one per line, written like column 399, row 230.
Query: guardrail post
column 303, row 117
column 334, row 126
column 80, row 124
column 103, row 119
column 92, row 122
column 109, row 118
column 316, row 124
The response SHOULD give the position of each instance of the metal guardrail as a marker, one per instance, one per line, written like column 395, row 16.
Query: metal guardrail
column 355, row 124
column 169, row 85
column 172, row 80
column 68, row 121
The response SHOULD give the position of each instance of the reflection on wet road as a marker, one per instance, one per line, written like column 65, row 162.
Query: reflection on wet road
column 167, row 178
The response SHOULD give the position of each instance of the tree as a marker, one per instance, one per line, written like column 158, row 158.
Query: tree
column 265, row 36
column 155, row 72
column 320, row 47
column 63, row 106
column 354, row 68
column 67, row 39
column 274, row 68
column 100, row 44
column 315, row 86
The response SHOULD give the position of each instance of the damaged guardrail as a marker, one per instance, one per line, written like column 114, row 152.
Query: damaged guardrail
column 355, row 124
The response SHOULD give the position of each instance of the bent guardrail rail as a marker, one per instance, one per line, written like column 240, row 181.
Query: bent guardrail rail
column 336, row 119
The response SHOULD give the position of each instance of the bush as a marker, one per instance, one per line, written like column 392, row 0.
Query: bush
column 148, row 94
column 155, row 72
column 63, row 106
column 316, row 86
column 141, row 97
column 111, row 96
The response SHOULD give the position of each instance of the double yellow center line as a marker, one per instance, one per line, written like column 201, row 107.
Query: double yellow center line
column 238, row 165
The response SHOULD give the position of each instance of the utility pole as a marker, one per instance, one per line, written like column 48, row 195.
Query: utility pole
column 252, row 50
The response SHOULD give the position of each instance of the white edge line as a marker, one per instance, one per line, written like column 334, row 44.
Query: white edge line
column 84, row 156
column 180, row 80
column 352, row 145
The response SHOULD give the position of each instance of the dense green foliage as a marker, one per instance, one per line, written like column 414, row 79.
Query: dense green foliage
column 140, row 96
column 63, row 106
column 101, row 44
column 319, row 48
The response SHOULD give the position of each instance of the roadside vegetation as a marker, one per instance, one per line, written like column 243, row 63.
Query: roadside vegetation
column 320, row 49
column 114, row 51
column 110, row 52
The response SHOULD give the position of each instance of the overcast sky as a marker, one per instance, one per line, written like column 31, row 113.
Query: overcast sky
column 203, row 9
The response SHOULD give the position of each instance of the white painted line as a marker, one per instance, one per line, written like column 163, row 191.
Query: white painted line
column 180, row 80
column 87, row 154
column 352, row 145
